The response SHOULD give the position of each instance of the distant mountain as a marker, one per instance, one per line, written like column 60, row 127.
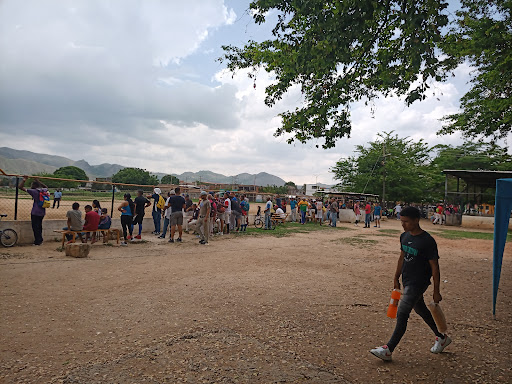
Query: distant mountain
column 261, row 178
column 26, row 162
column 24, row 167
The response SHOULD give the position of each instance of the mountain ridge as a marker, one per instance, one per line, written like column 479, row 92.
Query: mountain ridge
column 27, row 162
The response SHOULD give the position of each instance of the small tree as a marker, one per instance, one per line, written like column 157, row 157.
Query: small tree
column 170, row 179
column 135, row 176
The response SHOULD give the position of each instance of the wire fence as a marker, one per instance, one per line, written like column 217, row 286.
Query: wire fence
column 17, row 204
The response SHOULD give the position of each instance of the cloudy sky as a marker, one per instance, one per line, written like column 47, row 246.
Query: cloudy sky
column 137, row 83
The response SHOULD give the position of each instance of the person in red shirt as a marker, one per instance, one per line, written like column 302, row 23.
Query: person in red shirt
column 92, row 220
column 368, row 215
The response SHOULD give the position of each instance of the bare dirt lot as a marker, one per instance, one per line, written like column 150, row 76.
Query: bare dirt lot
column 305, row 308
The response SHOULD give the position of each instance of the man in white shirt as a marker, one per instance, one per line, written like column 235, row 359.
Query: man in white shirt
column 398, row 209
column 227, row 212
column 268, row 212
column 280, row 212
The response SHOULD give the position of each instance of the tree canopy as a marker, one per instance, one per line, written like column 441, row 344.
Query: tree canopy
column 71, row 172
column 413, row 171
column 341, row 52
column 403, row 163
column 170, row 179
column 482, row 34
column 135, row 176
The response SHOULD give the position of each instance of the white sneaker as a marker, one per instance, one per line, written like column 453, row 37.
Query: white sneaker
column 382, row 353
column 124, row 243
column 440, row 344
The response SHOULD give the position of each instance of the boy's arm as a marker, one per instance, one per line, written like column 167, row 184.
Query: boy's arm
column 396, row 280
column 22, row 184
column 40, row 183
column 436, row 277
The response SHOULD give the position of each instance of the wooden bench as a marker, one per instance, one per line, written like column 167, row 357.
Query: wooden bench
column 105, row 232
column 279, row 218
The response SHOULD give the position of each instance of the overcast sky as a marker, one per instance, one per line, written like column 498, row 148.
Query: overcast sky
column 137, row 83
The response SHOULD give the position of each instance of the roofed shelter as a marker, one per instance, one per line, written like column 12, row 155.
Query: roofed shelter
column 474, row 190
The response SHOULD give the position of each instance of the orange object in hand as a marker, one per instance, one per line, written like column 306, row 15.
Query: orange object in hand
column 393, row 303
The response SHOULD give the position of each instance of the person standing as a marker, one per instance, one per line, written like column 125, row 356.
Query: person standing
column 157, row 210
column 367, row 215
column 220, row 213
column 303, row 208
column 268, row 213
column 319, row 205
column 357, row 212
column 204, row 218
column 57, row 196
column 334, row 212
column 417, row 264
column 39, row 192
column 127, row 208
column 377, row 212
column 236, row 213
column 141, row 203
column 398, row 209
column 176, row 204
column 227, row 211
column 293, row 209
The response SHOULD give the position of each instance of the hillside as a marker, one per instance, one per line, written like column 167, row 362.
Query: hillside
column 26, row 162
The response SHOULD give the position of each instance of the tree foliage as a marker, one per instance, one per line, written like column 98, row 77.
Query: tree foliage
column 414, row 171
column 340, row 52
column 170, row 179
column 135, row 176
column 483, row 35
column 402, row 161
column 71, row 172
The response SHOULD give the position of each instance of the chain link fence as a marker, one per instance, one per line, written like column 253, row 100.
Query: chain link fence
column 17, row 204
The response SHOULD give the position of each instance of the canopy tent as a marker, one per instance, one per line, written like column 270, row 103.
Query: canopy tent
column 501, row 219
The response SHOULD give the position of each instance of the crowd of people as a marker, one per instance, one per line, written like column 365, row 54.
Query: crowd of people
column 215, row 214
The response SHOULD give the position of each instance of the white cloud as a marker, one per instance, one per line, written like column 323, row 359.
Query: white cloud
column 113, row 82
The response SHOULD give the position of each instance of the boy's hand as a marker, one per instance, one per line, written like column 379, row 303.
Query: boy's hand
column 437, row 297
column 396, row 285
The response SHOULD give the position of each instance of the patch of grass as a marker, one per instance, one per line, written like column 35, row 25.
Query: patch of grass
column 60, row 249
column 458, row 234
column 394, row 231
column 357, row 241
column 288, row 229
column 109, row 244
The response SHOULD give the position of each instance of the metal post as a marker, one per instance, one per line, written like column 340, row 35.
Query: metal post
column 113, row 197
column 16, row 200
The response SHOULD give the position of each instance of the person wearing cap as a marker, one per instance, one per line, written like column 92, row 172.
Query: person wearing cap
column 157, row 212
column 166, row 214
column 204, row 218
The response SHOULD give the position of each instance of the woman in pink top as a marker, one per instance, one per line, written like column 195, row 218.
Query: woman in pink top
column 357, row 211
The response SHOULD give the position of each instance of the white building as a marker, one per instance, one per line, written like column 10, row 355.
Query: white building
column 311, row 189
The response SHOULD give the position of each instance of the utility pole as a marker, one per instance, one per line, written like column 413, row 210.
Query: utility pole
column 384, row 155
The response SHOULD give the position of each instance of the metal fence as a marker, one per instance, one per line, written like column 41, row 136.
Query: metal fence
column 17, row 204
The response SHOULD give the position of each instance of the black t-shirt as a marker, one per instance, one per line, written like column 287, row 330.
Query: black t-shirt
column 235, row 205
column 140, row 204
column 188, row 204
column 176, row 203
column 418, row 251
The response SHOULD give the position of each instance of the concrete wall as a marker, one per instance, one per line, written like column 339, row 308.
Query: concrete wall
column 25, row 235
column 480, row 222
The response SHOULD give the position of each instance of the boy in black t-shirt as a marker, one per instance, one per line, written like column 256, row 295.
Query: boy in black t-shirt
column 141, row 203
column 418, row 262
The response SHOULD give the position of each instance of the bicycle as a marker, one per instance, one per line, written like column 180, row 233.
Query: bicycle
column 8, row 237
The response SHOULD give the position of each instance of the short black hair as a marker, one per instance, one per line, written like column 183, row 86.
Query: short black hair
column 75, row 206
column 88, row 207
column 411, row 212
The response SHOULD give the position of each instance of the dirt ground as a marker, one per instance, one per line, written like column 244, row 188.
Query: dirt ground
column 246, row 309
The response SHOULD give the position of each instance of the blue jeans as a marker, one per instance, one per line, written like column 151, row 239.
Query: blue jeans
column 157, row 218
column 367, row 220
column 334, row 218
column 166, row 224
column 302, row 217
column 268, row 223
column 412, row 298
